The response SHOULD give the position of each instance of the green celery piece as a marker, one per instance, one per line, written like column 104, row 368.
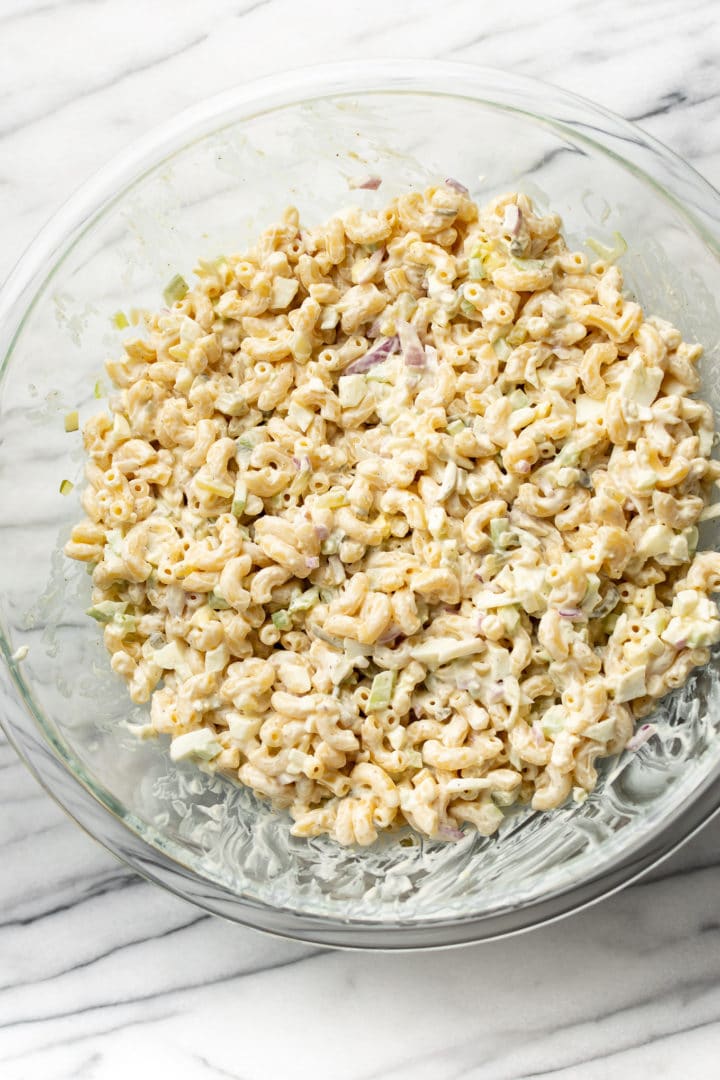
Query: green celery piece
column 381, row 691
column 175, row 290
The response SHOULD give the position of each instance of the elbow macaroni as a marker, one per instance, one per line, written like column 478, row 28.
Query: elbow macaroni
column 395, row 521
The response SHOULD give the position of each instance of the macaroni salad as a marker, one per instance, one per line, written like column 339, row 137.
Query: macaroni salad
column 394, row 520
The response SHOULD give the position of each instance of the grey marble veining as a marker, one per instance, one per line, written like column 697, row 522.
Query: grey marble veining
column 102, row 974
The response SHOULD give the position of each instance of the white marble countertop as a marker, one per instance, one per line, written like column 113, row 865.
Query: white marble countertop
column 101, row 973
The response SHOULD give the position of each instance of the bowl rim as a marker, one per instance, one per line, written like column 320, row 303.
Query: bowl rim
column 44, row 255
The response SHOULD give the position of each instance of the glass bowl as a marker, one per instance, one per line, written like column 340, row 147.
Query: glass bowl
column 204, row 184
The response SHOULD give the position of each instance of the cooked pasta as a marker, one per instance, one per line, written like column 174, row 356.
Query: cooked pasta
column 394, row 520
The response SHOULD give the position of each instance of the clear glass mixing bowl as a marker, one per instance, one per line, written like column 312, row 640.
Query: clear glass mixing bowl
column 203, row 185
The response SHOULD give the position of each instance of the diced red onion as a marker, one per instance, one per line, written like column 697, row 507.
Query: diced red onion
column 412, row 349
column 641, row 736
column 457, row 186
column 367, row 183
column 681, row 644
column 374, row 356
column 450, row 832
column 312, row 562
column 391, row 634
column 512, row 220
column 571, row 613
column 322, row 532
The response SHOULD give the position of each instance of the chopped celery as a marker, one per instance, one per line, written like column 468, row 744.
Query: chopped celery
column 331, row 546
column 66, row 487
column 609, row 601
column 239, row 497
column 476, row 268
column 175, row 290
column 456, row 426
column 217, row 602
column 381, row 691
column 282, row 620
column 98, row 389
column 517, row 335
column 592, row 593
column 502, row 535
column 553, row 721
column 501, row 348
column 569, row 456
column 246, row 443
column 527, row 264
column 113, row 540
column 304, row 601
column 120, row 320
column 106, row 610
column 72, row 421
